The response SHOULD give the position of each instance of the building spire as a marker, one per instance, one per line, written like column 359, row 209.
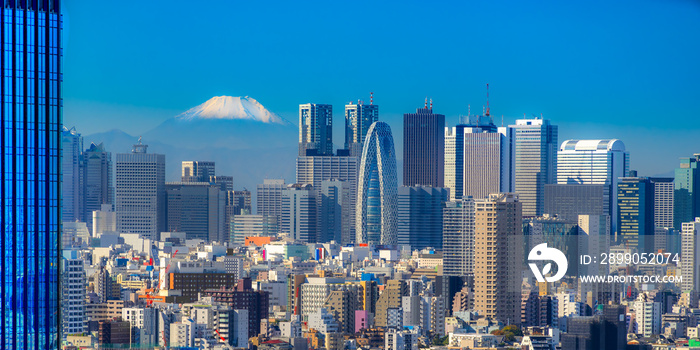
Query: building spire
column 371, row 98
column 488, row 109
column 426, row 102
column 431, row 103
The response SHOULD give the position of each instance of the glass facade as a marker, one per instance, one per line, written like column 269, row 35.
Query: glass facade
column 30, row 171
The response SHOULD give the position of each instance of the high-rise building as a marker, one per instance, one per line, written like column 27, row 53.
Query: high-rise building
column 96, row 164
column 71, row 186
column 73, row 285
column 104, row 220
column 249, row 225
column 458, row 238
column 30, row 172
column 196, row 208
column 601, row 162
column 635, row 220
column 424, row 148
column 140, row 188
column 315, row 129
column 316, row 169
column 377, row 190
column 335, row 212
column 419, row 216
column 391, row 298
column 568, row 201
column 594, row 240
column 198, row 171
column 663, row 201
column 358, row 118
column 299, row 213
column 478, row 158
column 498, row 249
column 686, row 196
column 226, row 182
column 690, row 252
column 269, row 198
column 558, row 233
column 535, row 142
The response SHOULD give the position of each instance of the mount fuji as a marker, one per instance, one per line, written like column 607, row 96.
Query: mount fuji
column 246, row 140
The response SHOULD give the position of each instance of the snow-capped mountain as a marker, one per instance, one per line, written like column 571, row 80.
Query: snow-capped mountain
column 229, row 107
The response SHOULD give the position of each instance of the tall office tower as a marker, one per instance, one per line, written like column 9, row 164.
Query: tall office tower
column 198, row 171
column 237, row 203
column 419, row 216
column 269, row 198
column 97, row 180
column 569, row 201
column 140, row 187
column 487, row 162
column 557, row 233
column 635, row 220
column 226, row 182
column 498, row 247
column 377, row 190
column 196, row 208
column 316, row 169
column 686, row 197
column 334, row 212
column 535, row 142
column 104, row 220
column 30, row 172
column 594, row 239
column 600, row 162
column 358, row 118
column 690, row 252
column 663, row 201
column 458, row 238
column 424, row 148
column 73, row 285
column 71, row 186
column 315, row 129
column 299, row 213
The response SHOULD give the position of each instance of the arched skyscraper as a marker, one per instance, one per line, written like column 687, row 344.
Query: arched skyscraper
column 377, row 188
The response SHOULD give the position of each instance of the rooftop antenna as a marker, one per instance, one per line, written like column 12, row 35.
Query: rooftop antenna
column 501, row 120
column 469, row 110
column 426, row 102
column 371, row 98
column 488, row 110
column 431, row 104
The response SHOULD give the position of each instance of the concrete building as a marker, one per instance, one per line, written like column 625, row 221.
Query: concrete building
column 243, row 226
column 269, row 198
column 690, row 252
column 535, row 142
column 73, row 285
column 663, row 201
column 424, row 148
column 104, row 220
column 498, row 245
column 686, row 196
column 196, row 208
column 299, row 213
column 458, row 238
column 140, row 192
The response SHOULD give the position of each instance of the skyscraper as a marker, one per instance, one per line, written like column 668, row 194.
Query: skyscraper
column 71, row 186
column 96, row 180
column 30, row 172
column 690, row 251
column 458, row 238
column 686, row 197
column 299, row 213
column 316, row 169
column 315, row 129
column 568, row 201
column 535, row 142
column 197, row 208
column 424, row 148
column 663, row 201
column 419, row 216
column 635, row 220
column 334, row 212
column 601, row 162
column 377, row 189
column 358, row 118
column 498, row 249
column 269, row 198
column 141, row 197
column 198, row 171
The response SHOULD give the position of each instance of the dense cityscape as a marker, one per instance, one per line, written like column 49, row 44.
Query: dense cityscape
column 474, row 231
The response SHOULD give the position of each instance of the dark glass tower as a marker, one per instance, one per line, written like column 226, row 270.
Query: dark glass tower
column 424, row 148
column 30, row 97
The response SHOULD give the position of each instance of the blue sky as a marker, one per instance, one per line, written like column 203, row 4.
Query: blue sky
column 598, row 69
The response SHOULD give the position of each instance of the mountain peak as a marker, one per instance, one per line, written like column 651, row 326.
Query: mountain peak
column 230, row 107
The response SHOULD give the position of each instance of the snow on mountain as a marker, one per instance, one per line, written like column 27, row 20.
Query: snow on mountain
column 229, row 107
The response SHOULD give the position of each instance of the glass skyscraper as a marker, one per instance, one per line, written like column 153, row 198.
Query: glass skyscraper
column 358, row 118
column 30, row 136
column 685, row 195
column 377, row 188
column 424, row 148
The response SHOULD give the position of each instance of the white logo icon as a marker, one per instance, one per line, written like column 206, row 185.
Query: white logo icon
column 542, row 252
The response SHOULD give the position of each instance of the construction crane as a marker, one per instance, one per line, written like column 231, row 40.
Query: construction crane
column 151, row 296
column 226, row 344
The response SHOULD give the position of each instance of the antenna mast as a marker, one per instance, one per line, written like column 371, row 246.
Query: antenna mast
column 488, row 109
column 371, row 98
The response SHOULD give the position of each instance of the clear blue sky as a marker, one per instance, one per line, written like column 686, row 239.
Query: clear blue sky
column 598, row 69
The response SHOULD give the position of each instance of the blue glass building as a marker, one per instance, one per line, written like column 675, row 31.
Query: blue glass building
column 30, row 97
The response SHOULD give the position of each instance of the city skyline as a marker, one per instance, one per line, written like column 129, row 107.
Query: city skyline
column 599, row 74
